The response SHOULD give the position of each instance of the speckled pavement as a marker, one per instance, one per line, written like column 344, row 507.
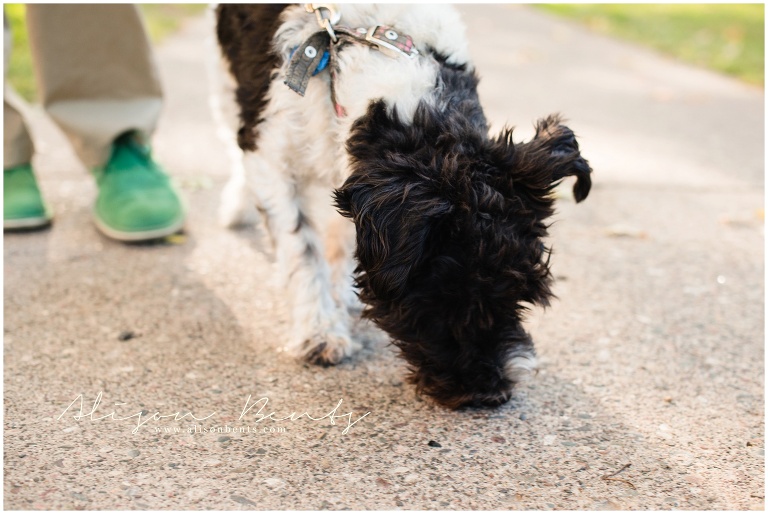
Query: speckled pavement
column 650, row 392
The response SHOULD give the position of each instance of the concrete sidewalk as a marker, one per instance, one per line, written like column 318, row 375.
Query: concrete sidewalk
column 651, row 359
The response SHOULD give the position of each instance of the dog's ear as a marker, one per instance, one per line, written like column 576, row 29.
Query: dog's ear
column 394, row 219
column 565, row 150
column 540, row 164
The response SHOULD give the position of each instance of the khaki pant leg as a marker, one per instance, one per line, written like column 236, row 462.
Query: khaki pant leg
column 17, row 145
column 96, row 73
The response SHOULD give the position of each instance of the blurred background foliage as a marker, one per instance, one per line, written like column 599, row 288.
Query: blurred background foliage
column 728, row 38
column 20, row 72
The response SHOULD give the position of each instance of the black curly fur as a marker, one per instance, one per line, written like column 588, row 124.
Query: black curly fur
column 450, row 225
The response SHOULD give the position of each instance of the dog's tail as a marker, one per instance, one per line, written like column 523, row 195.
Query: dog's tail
column 565, row 147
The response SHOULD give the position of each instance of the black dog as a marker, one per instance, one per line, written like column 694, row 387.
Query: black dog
column 449, row 238
column 449, row 220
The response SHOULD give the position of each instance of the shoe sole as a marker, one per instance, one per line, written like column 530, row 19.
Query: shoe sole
column 144, row 235
column 26, row 223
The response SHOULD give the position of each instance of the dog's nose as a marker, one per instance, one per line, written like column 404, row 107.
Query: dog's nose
column 492, row 399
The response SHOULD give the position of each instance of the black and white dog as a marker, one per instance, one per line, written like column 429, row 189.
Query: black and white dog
column 448, row 221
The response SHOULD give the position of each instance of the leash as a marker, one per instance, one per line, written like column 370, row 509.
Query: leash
column 321, row 49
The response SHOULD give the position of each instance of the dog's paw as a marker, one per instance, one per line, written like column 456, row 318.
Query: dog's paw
column 328, row 348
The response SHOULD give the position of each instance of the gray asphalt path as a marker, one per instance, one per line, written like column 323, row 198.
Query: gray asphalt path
column 650, row 393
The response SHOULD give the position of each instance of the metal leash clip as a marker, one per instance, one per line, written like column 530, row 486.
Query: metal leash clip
column 327, row 16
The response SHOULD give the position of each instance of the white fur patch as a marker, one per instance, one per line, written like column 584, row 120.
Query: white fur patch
column 520, row 366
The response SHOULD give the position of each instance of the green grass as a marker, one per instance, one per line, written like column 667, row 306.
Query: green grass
column 724, row 37
column 20, row 72
column 161, row 21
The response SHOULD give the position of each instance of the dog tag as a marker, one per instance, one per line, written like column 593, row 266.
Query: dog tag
column 305, row 61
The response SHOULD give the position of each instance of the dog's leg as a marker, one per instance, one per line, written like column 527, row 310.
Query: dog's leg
column 319, row 328
column 238, row 200
column 322, row 321
column 339, row 237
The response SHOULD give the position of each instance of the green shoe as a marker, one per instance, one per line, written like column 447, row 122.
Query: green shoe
column 136, row 200
column 23, row 205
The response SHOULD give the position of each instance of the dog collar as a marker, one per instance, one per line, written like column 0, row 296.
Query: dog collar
column 384, row 38
column 387, row 40
column 320, row 49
